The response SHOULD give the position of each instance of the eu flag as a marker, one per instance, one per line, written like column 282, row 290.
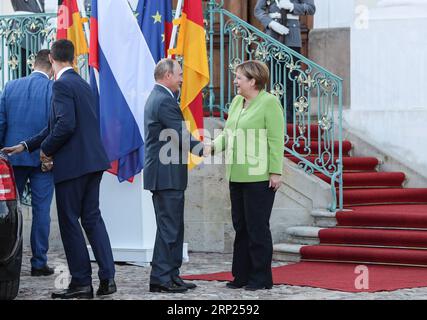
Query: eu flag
column 155, row 20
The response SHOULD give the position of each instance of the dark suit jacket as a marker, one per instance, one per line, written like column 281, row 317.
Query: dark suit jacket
column 73, row 134
column 27, row 5
column 24, row 112
column 162, row 112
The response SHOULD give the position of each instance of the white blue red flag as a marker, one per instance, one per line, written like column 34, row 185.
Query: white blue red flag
column 122, row 60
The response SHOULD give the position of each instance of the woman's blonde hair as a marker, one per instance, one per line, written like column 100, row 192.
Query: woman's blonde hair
column 257, row 70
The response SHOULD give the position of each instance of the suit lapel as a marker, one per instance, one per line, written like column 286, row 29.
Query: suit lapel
column 69, row 71
column 161, row 89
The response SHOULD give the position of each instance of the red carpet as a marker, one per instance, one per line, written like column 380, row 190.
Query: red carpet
column 388, row 216
column 338, row 276
column 357, row 197
column 369, row 179
column 374, row 237
column 383, row 222
column 365, row 255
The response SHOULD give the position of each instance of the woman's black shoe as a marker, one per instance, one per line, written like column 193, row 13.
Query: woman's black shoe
column 234, row 285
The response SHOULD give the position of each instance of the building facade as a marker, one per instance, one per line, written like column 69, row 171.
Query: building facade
column 379, row 49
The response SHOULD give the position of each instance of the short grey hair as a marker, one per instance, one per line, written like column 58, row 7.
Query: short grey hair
column 163, row 67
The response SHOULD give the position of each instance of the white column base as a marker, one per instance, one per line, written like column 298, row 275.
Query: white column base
column 140, row 257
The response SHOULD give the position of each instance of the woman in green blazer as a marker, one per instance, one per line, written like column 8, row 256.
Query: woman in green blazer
column 253, row 140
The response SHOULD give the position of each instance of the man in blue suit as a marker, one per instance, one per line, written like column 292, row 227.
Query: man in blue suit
column 71, row 146
column 24, row 111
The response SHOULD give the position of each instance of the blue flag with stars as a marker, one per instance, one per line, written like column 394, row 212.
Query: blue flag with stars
column 155, row 20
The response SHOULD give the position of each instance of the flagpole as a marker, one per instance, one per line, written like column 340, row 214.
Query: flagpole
column 86, row 27
column 175, row 27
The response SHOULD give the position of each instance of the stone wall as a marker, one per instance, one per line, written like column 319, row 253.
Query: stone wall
column 389, row 80
column 330, row 48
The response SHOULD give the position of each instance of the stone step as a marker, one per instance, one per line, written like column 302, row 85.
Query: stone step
column 304, row 235
column 287, row 252
column 324, row 218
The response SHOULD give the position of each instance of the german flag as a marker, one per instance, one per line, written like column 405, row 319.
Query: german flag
column 191, row 45
column 70, row 26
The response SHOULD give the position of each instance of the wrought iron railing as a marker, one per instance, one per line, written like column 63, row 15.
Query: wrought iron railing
column 21, row 37
column 317, row 93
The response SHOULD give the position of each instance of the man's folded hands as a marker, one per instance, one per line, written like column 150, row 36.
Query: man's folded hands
column 47, row 162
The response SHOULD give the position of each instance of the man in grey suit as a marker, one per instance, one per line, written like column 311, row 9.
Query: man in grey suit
column 167, row 143
column 281, row 21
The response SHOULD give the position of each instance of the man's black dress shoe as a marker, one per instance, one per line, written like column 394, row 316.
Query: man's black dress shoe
column 180, row 282
column 74, row 292
column 106, row 287
column 234, row 285
column 45, row 271
column 169, row 287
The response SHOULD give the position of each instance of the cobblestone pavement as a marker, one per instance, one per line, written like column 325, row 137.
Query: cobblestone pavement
column 132, row 282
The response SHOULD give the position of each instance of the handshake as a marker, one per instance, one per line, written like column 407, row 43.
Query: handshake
column 207, row 150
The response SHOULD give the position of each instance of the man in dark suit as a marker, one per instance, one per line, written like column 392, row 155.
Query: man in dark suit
column 24, row 112
column 71, row 144
column 167, row 143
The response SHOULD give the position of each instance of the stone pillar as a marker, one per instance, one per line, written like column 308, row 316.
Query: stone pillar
column 51, row 6
column 329, row 41
column 388, row 80
column 5, row 7
column 333, row 14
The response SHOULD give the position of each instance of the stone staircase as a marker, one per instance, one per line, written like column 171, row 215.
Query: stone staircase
column 382, row 222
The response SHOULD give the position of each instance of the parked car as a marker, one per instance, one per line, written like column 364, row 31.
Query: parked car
column 10, row 232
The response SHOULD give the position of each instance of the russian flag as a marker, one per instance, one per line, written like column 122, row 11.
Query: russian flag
column 122, row 76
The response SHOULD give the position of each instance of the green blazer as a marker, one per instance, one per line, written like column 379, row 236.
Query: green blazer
column 253, row 139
